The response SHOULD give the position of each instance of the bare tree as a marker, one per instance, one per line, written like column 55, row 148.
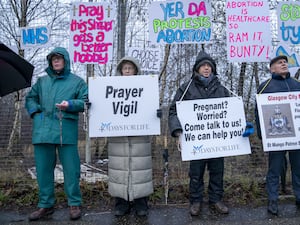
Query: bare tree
column 178, row 59
column 249, row 93
column 14, row 15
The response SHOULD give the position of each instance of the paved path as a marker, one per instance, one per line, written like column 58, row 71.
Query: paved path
column 166, row 215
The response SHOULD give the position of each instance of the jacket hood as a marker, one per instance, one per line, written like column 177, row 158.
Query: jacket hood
column 128, row 59
column 60, row 51
column 203, row 57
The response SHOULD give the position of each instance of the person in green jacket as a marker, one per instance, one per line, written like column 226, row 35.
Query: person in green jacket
column 54, row 103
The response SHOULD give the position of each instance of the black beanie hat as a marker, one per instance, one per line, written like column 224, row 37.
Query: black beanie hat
column 201, row 63
column 203, row 58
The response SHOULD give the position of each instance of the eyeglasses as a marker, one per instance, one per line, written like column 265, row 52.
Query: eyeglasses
column 57, row 58
column 128, row 68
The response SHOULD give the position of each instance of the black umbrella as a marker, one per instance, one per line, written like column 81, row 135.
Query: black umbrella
column 15, row 71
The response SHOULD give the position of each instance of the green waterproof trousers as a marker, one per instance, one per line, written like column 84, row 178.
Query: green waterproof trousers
column 45, row 159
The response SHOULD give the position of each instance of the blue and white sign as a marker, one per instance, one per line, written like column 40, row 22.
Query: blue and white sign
column 34, row 37
column 212, row 128
column 279, row 117
column 124, row 106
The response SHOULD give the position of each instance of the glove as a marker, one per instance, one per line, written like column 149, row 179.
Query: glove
column 159, row 113
column 177, row 133
column 249, row 130
column 87, row 103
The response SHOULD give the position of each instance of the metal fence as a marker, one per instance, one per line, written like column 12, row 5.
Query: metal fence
column 244, row 175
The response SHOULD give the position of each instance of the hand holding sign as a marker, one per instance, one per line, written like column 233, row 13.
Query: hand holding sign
column 249, row 130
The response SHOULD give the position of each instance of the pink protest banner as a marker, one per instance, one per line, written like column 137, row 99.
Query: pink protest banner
column 248, row 31
column 91, row 32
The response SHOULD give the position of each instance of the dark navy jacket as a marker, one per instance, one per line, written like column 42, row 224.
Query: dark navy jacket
column 279, row 84
column 276, row 84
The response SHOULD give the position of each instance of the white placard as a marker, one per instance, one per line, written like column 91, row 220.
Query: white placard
column 288, row 21
column 279, row 117
column 212, row 128
column 124, row 106
column 180, row 22
column 149, row 58
column 248, row 31
column 91, row 32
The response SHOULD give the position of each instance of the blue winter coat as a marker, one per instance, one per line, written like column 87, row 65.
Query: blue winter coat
column 276, row 84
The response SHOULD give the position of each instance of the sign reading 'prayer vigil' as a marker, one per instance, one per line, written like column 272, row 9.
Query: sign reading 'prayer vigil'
column 124, row 106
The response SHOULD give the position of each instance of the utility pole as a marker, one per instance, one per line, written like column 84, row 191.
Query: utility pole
column 88, row 155
column 121, row 29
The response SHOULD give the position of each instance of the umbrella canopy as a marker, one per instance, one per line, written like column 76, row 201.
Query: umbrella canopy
column 15, row 71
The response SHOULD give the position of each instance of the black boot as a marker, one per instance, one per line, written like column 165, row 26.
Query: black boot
column 298, row 204
column 122, row 207
column 273, row 207
column 141, row 206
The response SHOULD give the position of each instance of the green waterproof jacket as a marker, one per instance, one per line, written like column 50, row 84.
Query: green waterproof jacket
column 50, row 125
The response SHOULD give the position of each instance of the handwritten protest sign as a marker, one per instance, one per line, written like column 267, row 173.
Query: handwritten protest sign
column 34, row 37
column 288, row 16
column 248, row 31
column 179, row 22
column 149, row 58
column 279, row 117
column 124, row 106
column 91, row 32
column 212, row 128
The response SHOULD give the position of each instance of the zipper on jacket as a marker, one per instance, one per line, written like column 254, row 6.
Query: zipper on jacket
column 129, row 169
column 287, row 85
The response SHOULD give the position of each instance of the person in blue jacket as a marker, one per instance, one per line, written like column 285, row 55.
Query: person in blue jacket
column 54, row 103
column 280, row 81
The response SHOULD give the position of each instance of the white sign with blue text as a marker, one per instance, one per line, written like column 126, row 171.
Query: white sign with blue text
column 279, row 118
column 35, row 37
column 212, row 128
column 124, row 106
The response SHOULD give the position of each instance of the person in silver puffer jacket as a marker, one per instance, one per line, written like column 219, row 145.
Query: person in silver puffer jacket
column 130, row 162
